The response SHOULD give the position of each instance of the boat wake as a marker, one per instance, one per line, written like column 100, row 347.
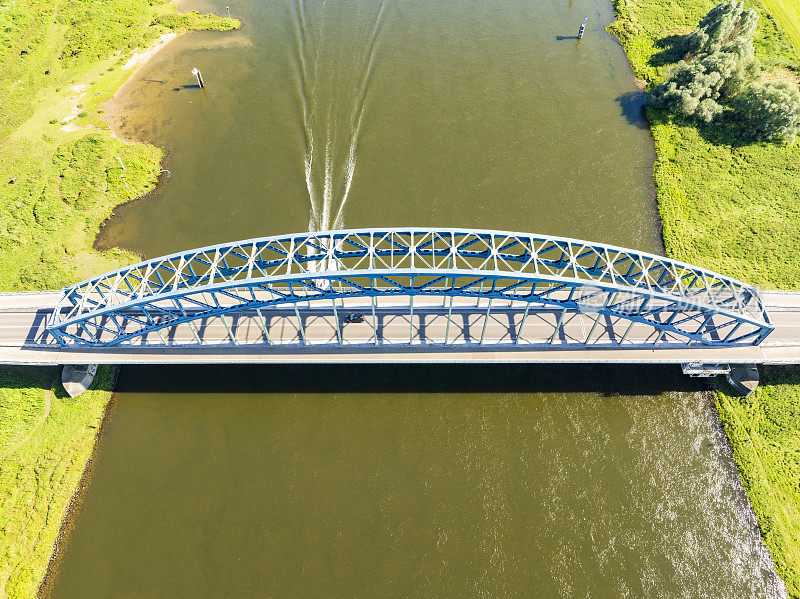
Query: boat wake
column 334, row 78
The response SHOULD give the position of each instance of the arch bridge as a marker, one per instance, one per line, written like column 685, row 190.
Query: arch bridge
column 418, row 287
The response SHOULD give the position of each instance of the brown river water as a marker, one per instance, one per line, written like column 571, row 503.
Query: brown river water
column 400, row 481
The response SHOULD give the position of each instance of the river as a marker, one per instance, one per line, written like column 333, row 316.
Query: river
column 389, row 481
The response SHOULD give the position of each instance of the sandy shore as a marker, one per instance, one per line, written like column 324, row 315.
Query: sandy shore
column 136, row 62
column 139, row 59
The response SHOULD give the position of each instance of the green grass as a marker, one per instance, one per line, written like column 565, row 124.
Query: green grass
column 645, row 26
column 763, row 430
column 59, row 61
column 62, row 194
column 69, row 38
column 728, row 206
column 787, row 14
column 735, row 208
column 45, row 441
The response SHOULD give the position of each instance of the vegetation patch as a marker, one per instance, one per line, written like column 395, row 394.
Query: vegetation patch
column 733, row 205
column 763, row 430
column 196, row 21
column 715, row 79
column 61, row 172
column 788, row 16
column 61, row 175
column 47, row 439
column 61, row 195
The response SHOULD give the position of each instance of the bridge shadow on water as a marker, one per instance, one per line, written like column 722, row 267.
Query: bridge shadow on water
column 608, row 380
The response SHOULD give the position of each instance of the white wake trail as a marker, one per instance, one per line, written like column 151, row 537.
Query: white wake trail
column 327, row 191
column 308, row 109
column 358, row 113
column 328, row 184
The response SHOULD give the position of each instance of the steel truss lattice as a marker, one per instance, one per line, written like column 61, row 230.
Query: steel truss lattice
column 682, row 304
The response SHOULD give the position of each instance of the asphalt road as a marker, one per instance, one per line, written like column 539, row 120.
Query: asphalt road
column 402, row 338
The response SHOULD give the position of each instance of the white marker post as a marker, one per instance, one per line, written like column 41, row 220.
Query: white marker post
column 229, row 11
column 197, row 74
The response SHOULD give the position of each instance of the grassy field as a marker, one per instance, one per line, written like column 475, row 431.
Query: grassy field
column 787, row 13
column 735, row 207
column 763, row 429
column 46, row 438
column 60, row 174
column 60, row 177
column 726, row 205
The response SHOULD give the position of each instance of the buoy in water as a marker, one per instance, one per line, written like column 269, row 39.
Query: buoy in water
column 583, row 28
column 196, row 73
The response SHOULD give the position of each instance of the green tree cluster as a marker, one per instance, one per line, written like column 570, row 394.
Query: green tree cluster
column 719, row 68
column 696, row 88
column 770, row 111
column 725, row 23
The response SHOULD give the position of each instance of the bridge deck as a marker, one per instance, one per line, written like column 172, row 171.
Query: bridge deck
column 544, row 336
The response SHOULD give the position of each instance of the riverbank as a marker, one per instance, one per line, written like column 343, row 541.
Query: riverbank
column 46, row 439
column 61, row 175
column 733, row 207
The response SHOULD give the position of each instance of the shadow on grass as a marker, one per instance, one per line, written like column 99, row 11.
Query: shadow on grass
column 48, row 378
column 725, row 130
column 781, row 375
column 28, row 377
column 670, row 51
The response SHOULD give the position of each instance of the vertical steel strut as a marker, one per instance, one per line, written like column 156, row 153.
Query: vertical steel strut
column 300, row 324
column 264, row 326
column 486, row 320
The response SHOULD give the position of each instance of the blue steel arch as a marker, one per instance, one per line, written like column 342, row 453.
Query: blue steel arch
column 683, row 304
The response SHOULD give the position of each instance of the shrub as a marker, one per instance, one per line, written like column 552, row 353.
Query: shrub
column 770, row 112
column 691, row 91
column 695, row 88
column 720, row 62
column 726, row 22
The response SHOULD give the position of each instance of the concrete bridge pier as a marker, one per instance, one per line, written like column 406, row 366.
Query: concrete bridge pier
column 743, row 378
column 77, row 378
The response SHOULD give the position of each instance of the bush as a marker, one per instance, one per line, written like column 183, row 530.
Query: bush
column 695, row 88
column 720, row 63
column 726, row 22
column 770, row 112
column 691, row 91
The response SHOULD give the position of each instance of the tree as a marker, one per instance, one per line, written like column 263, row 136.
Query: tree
column 737, row 65
column 695, row 89
column 725, row 23
column 770, row 112
column 691, row 91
